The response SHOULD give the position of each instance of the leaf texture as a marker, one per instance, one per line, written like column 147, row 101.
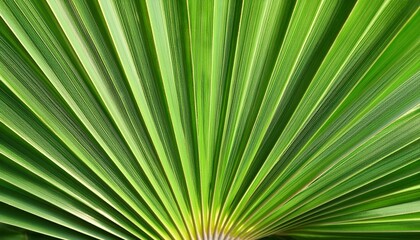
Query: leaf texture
column 215, row 119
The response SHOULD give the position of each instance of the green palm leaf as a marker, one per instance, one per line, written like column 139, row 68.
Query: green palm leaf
column 213, row 119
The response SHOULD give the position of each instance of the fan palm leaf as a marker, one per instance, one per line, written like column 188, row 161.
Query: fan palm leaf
column 212, row 119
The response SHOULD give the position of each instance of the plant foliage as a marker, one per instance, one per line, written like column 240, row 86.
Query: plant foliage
column 215, row 119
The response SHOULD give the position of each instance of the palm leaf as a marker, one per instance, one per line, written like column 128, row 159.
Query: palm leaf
column 210, row 119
